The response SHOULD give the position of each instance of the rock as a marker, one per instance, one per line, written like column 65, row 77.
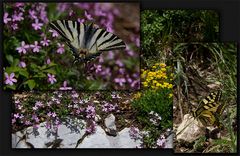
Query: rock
column 169, row 141
column 189, row 130
column 111, row 128
column 101, row 140
column 97, row 118
column 66, row 137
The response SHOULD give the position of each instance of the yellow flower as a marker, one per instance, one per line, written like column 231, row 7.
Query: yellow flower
column 170, row 95
column 162, row 65
column 170, row 86
column 137, row 95
column 163, row 69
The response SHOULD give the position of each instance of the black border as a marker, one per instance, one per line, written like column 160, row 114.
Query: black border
column 229, row 31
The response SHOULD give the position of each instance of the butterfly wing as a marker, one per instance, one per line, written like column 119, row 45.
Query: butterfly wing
column 86, row 41
column 208, row 108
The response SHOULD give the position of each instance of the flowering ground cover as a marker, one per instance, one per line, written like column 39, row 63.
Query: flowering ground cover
column 35, row 57
column 145, row 115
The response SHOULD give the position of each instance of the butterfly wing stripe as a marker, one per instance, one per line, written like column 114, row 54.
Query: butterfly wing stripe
column 68, row 28
column 62, row 27
column 92, row 42
column 108, row 44
column 115, row 46
column 90, row 39
column 54, row 25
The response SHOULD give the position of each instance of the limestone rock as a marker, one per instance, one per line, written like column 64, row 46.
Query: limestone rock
column 189, row 130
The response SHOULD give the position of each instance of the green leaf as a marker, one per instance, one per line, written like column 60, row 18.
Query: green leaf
column 24, row 73
column 9, row 58
column 31, row 84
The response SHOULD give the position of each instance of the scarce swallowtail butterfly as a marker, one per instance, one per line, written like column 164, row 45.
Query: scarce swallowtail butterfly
column 86, row 41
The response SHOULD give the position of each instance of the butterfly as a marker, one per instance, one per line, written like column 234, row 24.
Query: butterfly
column 210, row 110
column 86, row 41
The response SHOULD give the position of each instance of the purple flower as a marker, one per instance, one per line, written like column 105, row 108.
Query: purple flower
column 16, row 115
column 17, row 16
column 90, row 110
column 13, row 120
column 91, row 128
column 161, row 141
column 45, row 42
column 54, row 114
column 109, row 27
column 18, row 4
column 70, row 13
column 81, row 20
column 98, row 68
column 51, row 78
column 5, row 18
column 119, row 63
column 110, row 55
column 65, row 86
column 14, row 26
column 54, row 33
column 137, row 41
column 10, row 79
column 39, row 104
column 35, row 47
column 22, row 48
column 27, row 122
column 32, row 14
column 100, row 13
column 134, row 133
column 37, row 25
column 88, row 16
column 60, row 49
column 22, row 64
column 48, row 61
column 35, row 107
column 120, row 81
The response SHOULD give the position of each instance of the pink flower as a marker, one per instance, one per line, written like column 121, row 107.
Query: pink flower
column 14, row 26
column 5, row 18
column 10, row 79
column 48, row 61
column 120, row 81
column 65, row 86
column 39, row 104
column 23, row 48
column 60, row 49
column 51, row 78
column 54, row 114
column 54, row 33
column 16, row 115
column 88, row 16
column 35, row 46
column 81, row 20
column 32, row 14
column 109, row 27
column 37, row 25
column 17, row 16
column 22, row 64
column 45, row 42
column 161, row 141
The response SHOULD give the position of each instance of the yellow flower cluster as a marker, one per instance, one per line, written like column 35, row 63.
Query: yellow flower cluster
column 137, row 95
column 157, row 77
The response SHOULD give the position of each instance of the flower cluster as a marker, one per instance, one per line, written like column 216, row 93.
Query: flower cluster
column 161, row 142
column 135, row 133
column 154, row 118
column 108, row 107
column 157, row 77
column 29, row 43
